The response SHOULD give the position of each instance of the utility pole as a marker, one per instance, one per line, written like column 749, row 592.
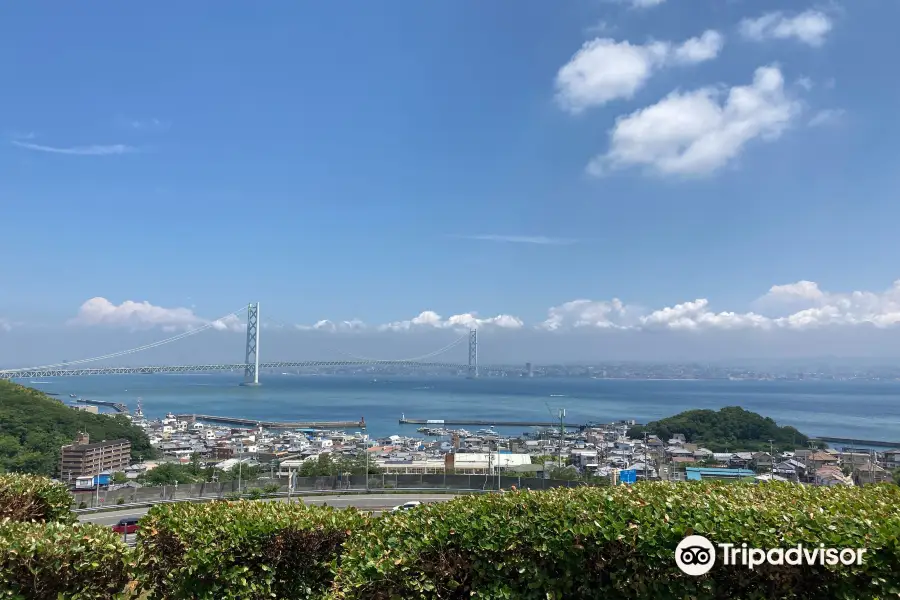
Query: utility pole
column 366, row 450
column 240, row 464
column 498, row 464
column 562, row 436
column 645, row 455
column 771, row 462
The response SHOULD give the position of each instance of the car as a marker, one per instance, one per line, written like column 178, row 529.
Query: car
column 407, row 506
column 126, row 525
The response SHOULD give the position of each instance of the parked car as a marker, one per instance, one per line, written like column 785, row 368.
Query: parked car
column 407, row 506
column 126, row 525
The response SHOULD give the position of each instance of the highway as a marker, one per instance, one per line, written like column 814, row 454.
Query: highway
column 374, row 503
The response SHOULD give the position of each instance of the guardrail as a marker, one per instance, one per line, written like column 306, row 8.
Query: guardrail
column 313, row 485
column 275, row 496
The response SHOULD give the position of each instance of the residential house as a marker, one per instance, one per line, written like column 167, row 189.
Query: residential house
column 892, row 459
column 831, row 475
column 851, row 460
column 703, row 454
column 792, row 470
column 741, row 460
column 817, row 460
column 761, row 461
column 644, row 470
column 870, row 473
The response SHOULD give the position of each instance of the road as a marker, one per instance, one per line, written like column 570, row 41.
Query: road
column 371, row 503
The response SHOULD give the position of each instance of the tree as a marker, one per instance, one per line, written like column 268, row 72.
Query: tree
column 731, row 427
column 34, row 426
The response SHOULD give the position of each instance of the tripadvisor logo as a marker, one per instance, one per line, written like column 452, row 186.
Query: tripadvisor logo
column 695, row 555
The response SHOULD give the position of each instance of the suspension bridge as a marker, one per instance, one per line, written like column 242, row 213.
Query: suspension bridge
column 251, row 365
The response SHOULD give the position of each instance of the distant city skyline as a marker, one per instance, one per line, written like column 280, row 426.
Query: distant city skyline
column 798, row 320
column 632, row 180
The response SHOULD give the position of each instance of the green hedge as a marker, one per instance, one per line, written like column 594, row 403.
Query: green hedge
column 33, row 498
column 222, row 550
column 48, row 561
column 620, row 542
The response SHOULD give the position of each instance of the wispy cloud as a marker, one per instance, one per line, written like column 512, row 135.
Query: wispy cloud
column 521, row 239
column 146, row 124
column 94, row 150
column 828, row 116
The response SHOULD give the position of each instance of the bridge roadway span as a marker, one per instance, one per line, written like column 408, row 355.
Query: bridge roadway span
column 275, row 424
column 35, row 373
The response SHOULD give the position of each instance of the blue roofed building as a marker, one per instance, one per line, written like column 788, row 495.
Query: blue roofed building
column 701, row 473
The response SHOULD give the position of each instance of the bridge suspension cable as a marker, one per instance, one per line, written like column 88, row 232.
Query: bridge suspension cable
column 449, row 346
column 174, row 338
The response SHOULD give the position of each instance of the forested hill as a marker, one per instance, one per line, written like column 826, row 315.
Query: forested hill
column 731, row 428
column 33, row 427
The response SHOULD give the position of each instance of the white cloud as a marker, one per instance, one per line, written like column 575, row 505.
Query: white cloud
column 229, row 323
column 828, row 116
column 5, row 325
column 809, row 27
column 611, row 314
column 522, row 239
column 799, row 306
column 326, row 325
column 806, row 83
column 143, row 315
column 810, row 308
column 699, row 49
column 645, row 3
column 430, row 319
column 604, row 70
column 148, row 124
column 94, row 150
column 694, row 133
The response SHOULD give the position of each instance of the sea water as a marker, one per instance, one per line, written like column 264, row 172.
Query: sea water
column 851, row 409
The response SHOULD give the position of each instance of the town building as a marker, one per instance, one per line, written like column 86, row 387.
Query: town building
column 84, row 458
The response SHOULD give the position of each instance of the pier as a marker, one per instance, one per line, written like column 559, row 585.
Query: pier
column 252, row 423
column 116, row 406
column 852, row 442
column 440, row 422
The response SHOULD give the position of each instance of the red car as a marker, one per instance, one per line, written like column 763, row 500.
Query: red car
column 127, row 525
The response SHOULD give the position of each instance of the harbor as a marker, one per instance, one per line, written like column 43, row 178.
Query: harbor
column 860, row 443
column 253, row 423
column 483, row 423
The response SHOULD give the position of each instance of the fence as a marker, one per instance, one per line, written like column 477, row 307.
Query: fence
column 129, row 495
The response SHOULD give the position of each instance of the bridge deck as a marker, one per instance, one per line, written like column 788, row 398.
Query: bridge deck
column 235, row 368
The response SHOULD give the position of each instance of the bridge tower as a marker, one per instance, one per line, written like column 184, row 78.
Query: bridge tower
column 473, row 354
column 251, row 362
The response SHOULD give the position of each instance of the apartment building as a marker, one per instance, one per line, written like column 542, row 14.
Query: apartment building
column 84, row 458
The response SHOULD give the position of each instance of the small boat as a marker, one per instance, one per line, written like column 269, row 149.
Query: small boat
column 72, row 396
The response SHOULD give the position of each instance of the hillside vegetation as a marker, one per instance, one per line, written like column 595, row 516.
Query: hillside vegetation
column 33, row 427
column 730, row 429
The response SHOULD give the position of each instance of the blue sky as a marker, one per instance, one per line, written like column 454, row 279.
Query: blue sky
column 351, row 160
